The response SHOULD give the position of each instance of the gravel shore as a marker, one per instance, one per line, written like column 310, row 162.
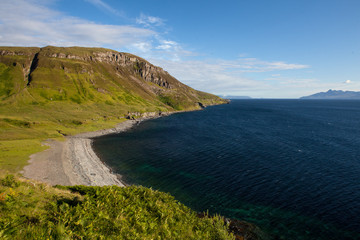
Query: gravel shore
column 73, row 162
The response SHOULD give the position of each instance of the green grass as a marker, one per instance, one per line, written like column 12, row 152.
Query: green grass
column 18, row 151
column 24, row 128
column 30, row 210
column 168, row 100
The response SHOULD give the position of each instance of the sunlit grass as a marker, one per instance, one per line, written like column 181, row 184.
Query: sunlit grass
column 14, row 154
column 32, row 210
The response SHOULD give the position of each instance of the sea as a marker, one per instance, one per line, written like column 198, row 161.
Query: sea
column 291, row 167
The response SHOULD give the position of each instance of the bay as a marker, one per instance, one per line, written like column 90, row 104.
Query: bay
column 292, row 167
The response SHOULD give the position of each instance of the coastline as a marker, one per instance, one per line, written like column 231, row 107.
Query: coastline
column 74, row 162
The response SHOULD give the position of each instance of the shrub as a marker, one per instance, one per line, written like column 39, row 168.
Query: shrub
column 9, row 181
column 16, row 122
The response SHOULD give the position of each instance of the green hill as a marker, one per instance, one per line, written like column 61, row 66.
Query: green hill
column 54, row 91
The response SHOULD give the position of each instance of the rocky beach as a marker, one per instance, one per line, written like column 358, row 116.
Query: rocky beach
column 73, row 161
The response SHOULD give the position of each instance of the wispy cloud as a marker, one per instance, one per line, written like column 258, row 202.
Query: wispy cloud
column 211, row 76
column 256, row 65
column 167, row 45
column 29, row 23
column 104, row 6
column 35, row 23
column 241, row 77
column 149, row 21
column 297, row 87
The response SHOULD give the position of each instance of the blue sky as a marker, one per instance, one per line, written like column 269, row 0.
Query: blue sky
column 258, row 48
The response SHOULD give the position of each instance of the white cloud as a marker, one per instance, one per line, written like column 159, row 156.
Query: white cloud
column 149, row 21
column 167, row 45
column 256, row 65
column 297, row 87
column 348, row 81
column 232, row 77
column 210, row 76
column 33, row 23
column 143, row 47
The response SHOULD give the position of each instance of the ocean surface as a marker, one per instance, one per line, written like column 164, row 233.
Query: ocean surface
column 292, row 167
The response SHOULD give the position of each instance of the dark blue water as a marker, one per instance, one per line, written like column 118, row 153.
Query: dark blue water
column 290, row 166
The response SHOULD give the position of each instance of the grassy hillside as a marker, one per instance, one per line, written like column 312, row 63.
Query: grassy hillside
column 50, row 92
column 31, row 210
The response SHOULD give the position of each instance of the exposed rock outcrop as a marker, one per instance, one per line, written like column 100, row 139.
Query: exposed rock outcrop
column 33, row 66
column 147, row 71
column 145, row 115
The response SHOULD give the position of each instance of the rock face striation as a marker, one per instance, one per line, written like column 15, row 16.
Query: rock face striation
column 147, row 71
column 93, row 75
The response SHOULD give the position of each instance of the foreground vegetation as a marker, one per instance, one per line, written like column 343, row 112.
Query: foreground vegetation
column 31, row 210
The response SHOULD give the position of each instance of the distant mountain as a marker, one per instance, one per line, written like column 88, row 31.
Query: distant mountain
column 334, row 94
column 235, row 97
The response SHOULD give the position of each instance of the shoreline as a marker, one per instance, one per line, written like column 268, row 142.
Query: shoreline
column 74, row 162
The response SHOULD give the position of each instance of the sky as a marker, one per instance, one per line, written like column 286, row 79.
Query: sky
column 256, row 48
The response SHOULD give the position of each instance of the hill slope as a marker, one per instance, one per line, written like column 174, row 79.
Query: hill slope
column 53, row 91
column 83, row 75
column 334, row 94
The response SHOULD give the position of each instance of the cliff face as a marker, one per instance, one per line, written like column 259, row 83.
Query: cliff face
column 92, row 75
column 147, row 71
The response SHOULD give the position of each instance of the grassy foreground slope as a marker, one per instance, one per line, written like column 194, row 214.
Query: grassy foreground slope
column 53, row 91
column 31, row 210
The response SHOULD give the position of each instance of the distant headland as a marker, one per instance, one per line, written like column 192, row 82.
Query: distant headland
column 334, row 94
